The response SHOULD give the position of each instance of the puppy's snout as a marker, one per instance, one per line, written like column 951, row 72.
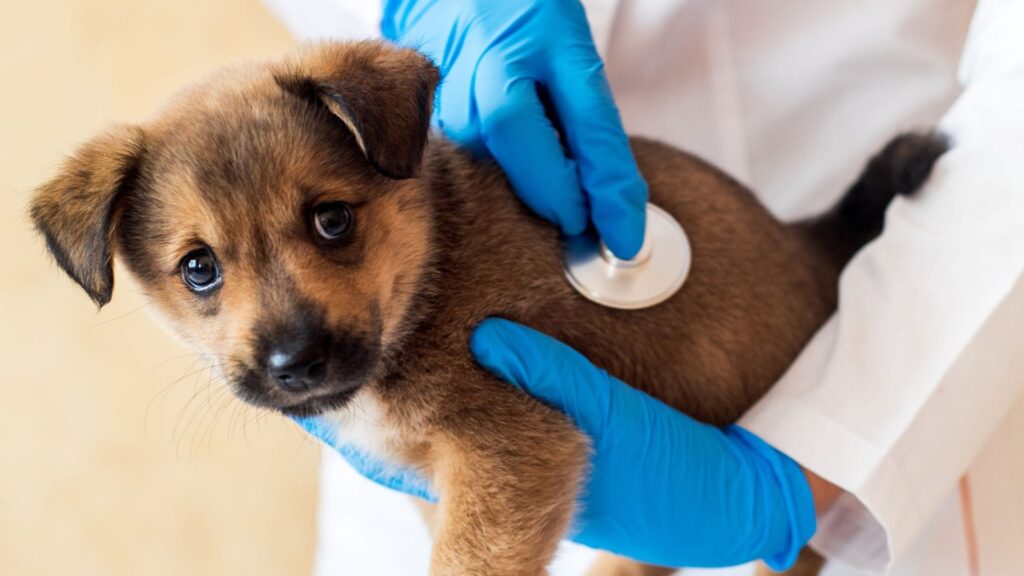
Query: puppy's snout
column 298, row 365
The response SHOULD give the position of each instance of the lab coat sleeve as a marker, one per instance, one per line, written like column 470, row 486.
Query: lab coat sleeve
column 894, row 397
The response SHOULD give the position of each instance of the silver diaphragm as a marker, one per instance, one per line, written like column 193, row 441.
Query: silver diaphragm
column 656, row 273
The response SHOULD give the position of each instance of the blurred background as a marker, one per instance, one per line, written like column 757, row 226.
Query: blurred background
column 119, row 455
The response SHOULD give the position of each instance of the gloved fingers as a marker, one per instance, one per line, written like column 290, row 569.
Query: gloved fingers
column 616, row 191
column 394, row 19
column 379, row 471
column 393, row 477
column 549, row 370
column 318, row 428
column 452, row 48
column 456, row 111
column 519, row 135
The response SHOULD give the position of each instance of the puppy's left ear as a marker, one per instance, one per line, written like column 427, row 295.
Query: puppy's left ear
column 382, row 93
column 75, row 210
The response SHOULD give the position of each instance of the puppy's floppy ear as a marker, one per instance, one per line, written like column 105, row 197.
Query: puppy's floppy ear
column 384, row 95
column 75, row 210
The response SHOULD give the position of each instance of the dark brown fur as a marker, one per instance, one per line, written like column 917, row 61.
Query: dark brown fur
column 236, row 164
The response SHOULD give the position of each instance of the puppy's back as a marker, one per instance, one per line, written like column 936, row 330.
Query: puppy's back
column 756, row 292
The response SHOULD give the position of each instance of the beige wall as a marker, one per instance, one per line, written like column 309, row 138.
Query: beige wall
column 108, row 463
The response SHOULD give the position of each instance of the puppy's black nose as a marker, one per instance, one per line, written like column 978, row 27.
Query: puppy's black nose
column 297, row 366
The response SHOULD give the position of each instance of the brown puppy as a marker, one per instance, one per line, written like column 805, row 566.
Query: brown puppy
column 295, row 221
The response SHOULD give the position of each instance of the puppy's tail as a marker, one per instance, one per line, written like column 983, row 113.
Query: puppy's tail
column 901, row 168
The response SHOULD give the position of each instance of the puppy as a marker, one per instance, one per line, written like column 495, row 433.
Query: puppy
column 297, row 222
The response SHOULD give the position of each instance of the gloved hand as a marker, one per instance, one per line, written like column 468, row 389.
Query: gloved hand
column 663, row 487
column 493, row 57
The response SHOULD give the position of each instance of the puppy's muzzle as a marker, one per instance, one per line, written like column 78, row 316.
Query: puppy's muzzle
column 303, row 368
column 299, row 365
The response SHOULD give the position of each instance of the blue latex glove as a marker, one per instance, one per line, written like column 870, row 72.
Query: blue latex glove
column 663, row 487
column 493, row 56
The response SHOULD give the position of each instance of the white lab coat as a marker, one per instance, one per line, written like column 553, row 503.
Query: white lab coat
column 910, row 397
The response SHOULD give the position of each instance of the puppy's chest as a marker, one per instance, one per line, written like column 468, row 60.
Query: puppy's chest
column 363, row 424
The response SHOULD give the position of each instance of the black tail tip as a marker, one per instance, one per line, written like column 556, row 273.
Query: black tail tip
column 899, row 169
column 907, row 160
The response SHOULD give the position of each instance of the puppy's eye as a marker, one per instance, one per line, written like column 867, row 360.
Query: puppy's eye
column 333, row 220
column 199, row 270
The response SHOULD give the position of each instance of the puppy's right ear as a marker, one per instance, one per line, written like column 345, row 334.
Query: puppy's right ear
column 382, row 93
column 75, row 210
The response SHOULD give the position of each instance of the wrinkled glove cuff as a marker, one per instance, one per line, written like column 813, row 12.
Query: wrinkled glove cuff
column 793, row 500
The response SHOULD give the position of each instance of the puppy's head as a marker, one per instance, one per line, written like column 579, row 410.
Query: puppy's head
column 271, row 213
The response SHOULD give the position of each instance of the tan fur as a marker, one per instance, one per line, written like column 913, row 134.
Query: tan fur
column 236, row 163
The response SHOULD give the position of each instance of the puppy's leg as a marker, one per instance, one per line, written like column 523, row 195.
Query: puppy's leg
column 508, row 482
column 612, row 565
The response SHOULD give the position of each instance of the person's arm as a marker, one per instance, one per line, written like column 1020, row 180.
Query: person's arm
column 895, row 396
column 825, row 493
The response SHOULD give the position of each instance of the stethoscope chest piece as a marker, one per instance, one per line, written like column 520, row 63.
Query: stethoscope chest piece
column 656, row 273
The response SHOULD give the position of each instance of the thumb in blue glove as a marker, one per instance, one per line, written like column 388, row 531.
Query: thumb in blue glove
column 663, row 488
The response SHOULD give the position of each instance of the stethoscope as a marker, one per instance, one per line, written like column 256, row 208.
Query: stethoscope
column 657, row 272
